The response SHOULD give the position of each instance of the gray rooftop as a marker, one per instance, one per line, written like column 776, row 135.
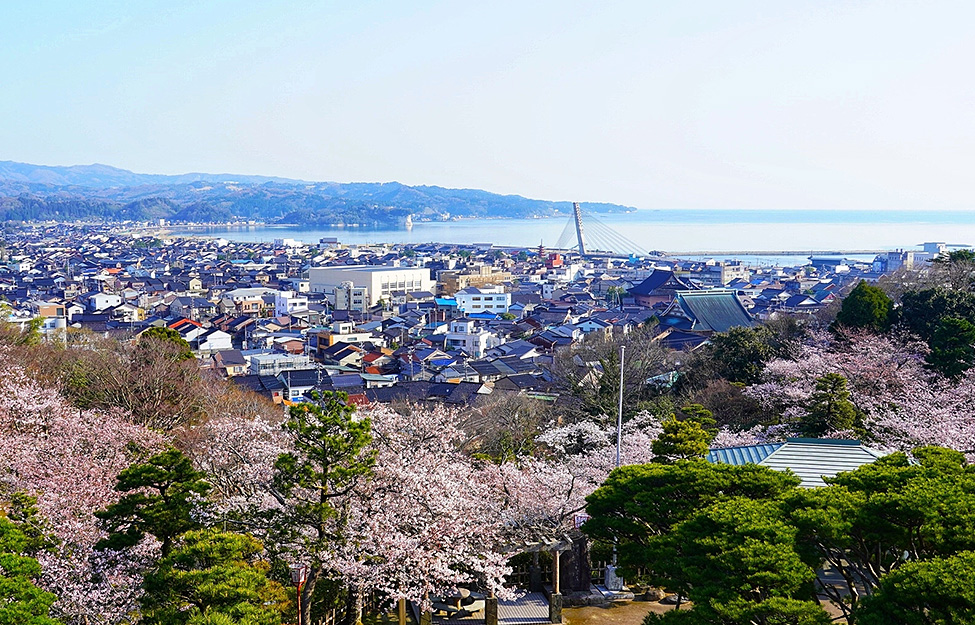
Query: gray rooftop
column 809, row 459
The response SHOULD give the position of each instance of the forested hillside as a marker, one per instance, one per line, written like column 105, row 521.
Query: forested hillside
column 99, row 192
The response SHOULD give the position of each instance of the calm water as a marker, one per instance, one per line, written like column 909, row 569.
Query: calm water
column 672, row 231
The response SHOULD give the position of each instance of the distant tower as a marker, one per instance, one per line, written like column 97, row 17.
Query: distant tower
column 541, row 249
column 579, row 234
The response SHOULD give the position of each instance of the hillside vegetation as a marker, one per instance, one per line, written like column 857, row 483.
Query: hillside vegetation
column 103, row 193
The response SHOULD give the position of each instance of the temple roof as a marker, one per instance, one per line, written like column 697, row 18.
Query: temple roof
column 717, row 310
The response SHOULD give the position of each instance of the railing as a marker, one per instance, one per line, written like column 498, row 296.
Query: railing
column 521, row 575
column 598, row 572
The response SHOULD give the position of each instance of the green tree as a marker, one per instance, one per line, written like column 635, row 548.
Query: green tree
column 211, row 573
column 737, row 561
column 687, row 438
column 614, row 295
column 922, row 311
column 952, row 347
column 740, row 354
column 169, row 335
column 680, row 440
column 313, row 482
column 866, row 307
column 870, row 522
column 507, row 316
column 23, row 511
column 162, row 496
column 638, row 505
column 829, row 407
column 935, row 592
column 21, row 602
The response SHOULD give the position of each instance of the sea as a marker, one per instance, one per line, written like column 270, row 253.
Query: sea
column 759, row 237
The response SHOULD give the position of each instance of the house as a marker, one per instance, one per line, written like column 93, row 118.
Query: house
column 266, row 385
column 195, row 308
column 466, row 336
column 212, row 340
column 342, row 354
column 100, row 301
column 300, row 382
column 187, row 329
column 229, row 362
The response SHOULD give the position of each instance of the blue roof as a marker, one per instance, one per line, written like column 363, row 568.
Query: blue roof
column 753, row 454
column 482, row 315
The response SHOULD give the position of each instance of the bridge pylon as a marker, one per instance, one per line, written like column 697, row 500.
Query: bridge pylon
column 577, row 212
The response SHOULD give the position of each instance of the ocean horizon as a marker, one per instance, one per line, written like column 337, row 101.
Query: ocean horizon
column 673, row 231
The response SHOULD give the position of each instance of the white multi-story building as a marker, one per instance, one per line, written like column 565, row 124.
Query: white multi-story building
column 489, row 298
column 287, row 302
column 288, row 244
column 465, row 335
column 273, row 364
column 379, row 281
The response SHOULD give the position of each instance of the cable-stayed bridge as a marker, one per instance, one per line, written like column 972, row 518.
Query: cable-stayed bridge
column 593, row 237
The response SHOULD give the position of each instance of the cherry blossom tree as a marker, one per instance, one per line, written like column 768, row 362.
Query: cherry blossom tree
column 903, row 404
column 69, row 459
column 237, row 453
column 428, row 520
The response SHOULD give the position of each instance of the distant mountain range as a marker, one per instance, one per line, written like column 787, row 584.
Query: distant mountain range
column 104, row 193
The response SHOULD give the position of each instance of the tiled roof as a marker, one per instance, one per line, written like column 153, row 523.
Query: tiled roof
column 717, row 310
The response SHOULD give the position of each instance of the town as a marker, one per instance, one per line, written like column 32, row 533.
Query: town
column 392, row 322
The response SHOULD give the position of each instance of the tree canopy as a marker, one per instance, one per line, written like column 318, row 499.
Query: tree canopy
column 162, row 497
column 22, row 602
column 168, row 335
column 830, row 408
column 866, row 307
column 952, row 347
column 210, row 572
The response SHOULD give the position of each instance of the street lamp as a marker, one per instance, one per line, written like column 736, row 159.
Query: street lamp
column 299, row 574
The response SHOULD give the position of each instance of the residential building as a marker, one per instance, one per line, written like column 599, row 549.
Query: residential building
column 273, row 364
column 288, row 302
column 347, row 296
column 489, row 298
column 467, row 336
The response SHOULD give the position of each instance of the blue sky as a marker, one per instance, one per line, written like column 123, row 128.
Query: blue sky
column 653, row 104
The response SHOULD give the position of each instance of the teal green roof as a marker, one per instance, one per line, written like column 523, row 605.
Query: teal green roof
column 717, row 310
column 809, row 459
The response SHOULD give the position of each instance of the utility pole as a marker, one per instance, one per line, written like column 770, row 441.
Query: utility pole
column 619, row 415
column 614, row 582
